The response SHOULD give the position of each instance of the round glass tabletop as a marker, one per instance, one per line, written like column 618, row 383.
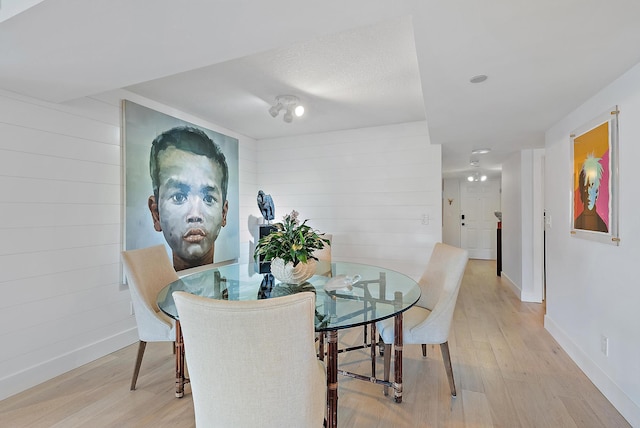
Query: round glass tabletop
column 354, row 294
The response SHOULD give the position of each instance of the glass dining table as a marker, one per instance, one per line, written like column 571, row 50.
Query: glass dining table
column 348, row 295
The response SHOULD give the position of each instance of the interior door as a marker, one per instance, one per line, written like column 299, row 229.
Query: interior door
column 478, row 223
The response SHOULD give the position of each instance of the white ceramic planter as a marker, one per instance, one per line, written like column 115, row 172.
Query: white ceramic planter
column 289, row 274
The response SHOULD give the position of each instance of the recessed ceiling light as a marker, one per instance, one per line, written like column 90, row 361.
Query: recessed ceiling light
column 480, row 151
column 478, row 79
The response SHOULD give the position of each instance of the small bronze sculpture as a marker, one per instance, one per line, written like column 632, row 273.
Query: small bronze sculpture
column 265, row 203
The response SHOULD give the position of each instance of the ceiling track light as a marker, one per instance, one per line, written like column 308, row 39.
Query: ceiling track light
column 275, row 109
column 290, row 104
column 288, row 116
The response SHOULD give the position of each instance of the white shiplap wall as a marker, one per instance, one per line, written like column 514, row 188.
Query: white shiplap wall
column 368, row 187
column 62, row 303
column 60, row 221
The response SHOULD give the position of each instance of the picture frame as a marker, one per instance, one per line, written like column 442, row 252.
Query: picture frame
column 594, row 179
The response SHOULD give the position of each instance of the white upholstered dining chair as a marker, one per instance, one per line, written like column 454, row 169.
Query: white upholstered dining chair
column 253, row 363
column 324, row 257
column 428, row 322
column 148, row 270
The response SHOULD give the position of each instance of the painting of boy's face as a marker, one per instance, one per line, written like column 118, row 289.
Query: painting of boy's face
column 191, row 173
column 190, row 210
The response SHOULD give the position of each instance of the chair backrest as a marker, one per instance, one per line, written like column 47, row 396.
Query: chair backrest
column 253, row 363
column 325, row 253
column 324, row 257
column 440, row 285
column 148, row 270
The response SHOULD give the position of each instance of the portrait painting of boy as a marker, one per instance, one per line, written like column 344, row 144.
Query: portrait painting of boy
column 181, row 188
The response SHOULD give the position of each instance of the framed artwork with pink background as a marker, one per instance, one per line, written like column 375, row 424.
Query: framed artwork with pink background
column 594, row 179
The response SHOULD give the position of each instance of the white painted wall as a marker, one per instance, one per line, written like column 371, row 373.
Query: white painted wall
column 59, row 253
column 512, row 221
column 369, row 187
column 593, row 288
column 534, row 292
column 60, row 220
column 522, row 224
column 451, row 212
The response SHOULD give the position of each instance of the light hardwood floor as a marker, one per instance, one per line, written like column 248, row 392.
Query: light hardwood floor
column 509, row 373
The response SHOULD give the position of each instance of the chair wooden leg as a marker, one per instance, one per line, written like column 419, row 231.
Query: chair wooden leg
column 446, row 357
column 141, row 347
column 387, row 365
column 320, row 338
column 373, row 349
column 424, row 350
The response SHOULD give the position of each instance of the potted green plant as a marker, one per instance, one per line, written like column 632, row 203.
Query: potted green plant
column 290, row 249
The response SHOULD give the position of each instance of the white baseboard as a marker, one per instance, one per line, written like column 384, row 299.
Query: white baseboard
column 530, row 298
column 25, row 379
column 516, row 290
column 627, row 408
column 524, row 297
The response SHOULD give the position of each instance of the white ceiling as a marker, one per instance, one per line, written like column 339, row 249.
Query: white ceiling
column 10, row 8
column 354, row 64
column 352, row 79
